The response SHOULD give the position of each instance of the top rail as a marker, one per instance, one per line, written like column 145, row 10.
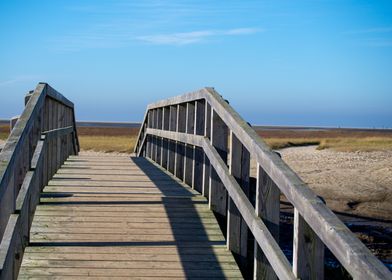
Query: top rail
column 313, row 221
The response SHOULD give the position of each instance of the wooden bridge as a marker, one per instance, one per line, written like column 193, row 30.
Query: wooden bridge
column 185, row 206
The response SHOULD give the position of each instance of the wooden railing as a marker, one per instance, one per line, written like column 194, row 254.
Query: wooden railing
column 199, row 138
column 42, row 139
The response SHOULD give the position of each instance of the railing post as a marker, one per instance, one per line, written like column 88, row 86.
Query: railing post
column 172, row 144
column 165, row 142
column 190, row 129
column 308, row 251
column 206, row 163
column 199, row 154
column 181, row 127
column 218, row 193
column 237, row 230
column 268, row 209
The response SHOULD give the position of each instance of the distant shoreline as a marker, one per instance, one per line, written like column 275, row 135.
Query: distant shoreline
column 256, row 127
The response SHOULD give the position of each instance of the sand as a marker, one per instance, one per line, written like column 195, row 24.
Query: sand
column 358, row 183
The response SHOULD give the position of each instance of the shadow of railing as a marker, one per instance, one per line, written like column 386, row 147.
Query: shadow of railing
column 196, row 244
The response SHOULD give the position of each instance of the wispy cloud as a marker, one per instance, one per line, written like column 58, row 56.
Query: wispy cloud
column 372, row 37
column 18, row 79
column 378, row 42
column 187, row 38
column 160, row 22
column 376, row 30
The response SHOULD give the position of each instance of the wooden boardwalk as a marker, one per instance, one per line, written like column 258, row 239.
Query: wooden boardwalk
column 100, row 217
column 120, row 217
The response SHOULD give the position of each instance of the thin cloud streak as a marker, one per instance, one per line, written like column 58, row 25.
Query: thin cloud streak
column 187, row 38
column 376, row 30
column 18, row 79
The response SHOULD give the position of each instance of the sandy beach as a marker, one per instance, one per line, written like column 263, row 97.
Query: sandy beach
column 358, row 183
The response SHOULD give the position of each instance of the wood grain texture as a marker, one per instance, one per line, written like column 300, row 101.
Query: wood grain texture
column 352, row 254
column 237, row 229
column 32, row 154
column 219, row 140
column 308, row 251
column 161, row 231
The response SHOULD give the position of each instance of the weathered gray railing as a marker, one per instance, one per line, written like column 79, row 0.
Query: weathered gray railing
column 42, row 139
column 200, row 139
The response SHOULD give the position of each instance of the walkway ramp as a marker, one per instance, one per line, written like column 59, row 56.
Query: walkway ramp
column 116, row 216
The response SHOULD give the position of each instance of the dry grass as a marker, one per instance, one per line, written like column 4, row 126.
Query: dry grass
column 107, row 144
column 345, row 140
column 280, row 143
column 366, row 144
column 109, row 139
column 4, row 132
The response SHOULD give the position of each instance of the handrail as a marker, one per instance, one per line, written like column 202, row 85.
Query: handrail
column 313, row 220
column 42, row 139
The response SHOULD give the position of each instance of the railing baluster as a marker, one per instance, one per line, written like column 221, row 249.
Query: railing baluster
column 308, row 251
column 267, row 208
column 172, row 144
column 198, row 153
column 237, row 230
column 159, row 139
column 153, row 147
column 206, row 163
column 218, row 193
column 165, row 142
column 190, row 129
column 181, row 127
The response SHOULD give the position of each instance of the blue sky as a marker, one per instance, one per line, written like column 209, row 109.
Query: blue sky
column 321, row 62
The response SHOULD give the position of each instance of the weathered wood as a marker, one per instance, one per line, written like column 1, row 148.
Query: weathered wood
column 165, row 142
column 172, row 144
column 219, row 140
column 35, row 144
column 268, row 209
column 173, row 235
column 189, row 149
column 206, row 163
column 198, row 164
column 237, row 230
column 180, row 152
column 333, row 233
column 308, row 251
column 159, row 140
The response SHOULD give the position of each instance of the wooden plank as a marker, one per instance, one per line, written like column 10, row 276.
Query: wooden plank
column 206, row 163
column 237, row 230
column 159, row 140
column 190, row 129
column 172, row 235
column 172, row 144
column 108, row 272
column 11, row 250
column 308, row 251
column 218, row 193
column 268, row 209
column 198, row 166
column 198, row 169
column 180, row 152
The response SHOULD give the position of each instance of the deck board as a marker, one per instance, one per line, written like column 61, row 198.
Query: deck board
column 122, row 218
